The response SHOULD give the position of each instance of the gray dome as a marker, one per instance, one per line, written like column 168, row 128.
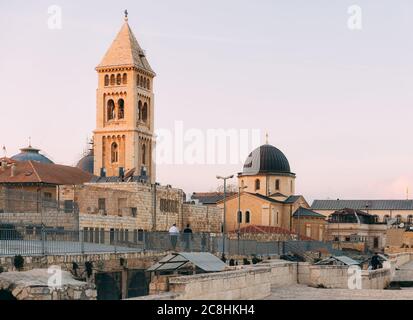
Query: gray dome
column 266, row 159
column 31, row 154
column 86, row 163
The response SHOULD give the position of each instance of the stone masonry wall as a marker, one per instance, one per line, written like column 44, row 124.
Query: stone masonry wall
column 50, row 218
column 131, row 206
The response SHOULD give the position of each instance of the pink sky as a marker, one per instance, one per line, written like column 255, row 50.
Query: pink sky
column 337, row 102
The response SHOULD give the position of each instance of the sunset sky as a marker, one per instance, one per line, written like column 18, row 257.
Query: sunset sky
column 337, row 102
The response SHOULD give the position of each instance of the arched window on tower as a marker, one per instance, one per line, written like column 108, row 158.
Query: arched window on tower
column 111, row 110
column 143, row 154
column 145, row 112
column 125, row 78
column 118, row 79
column 148, row 84
column 141, row 82
column 144, row 83
column 277, row 184
column 140, row 110
column 106, row 80
column 114, row 152
column 112, row 80
column 121, row 109
column 257, row 184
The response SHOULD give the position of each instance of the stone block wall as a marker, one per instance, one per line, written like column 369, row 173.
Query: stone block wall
column 338, row 277
column 202, row 218
column 247, row 284
column 49, row 217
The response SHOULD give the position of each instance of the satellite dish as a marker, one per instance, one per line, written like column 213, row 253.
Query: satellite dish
column 401, row 225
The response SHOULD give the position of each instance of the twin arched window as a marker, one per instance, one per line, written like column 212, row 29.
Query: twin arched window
column 111, row 113
column 114, row 152
column 142, row 111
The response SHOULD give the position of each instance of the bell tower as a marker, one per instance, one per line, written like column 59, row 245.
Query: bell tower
column 124, row 135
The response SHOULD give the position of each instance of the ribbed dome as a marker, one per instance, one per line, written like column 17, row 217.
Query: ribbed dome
column 31, row 154
column 86, row 163
column 266, row 159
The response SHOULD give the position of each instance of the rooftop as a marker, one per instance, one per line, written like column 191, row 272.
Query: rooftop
column 362, row 204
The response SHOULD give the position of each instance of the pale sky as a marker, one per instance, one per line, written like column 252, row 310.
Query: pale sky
column 337, row 102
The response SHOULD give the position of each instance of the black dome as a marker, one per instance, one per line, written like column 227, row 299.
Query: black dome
column 266, row 159
column 86, row 163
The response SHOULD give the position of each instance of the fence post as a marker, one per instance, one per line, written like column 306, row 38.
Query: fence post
column 82, row 241
column 43, row 241
column 115, row 241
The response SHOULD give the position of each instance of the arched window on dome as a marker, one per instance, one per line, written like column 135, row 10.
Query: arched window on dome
column 125, row 78
column 144, row 154
column 106, row 80
column 247, row 217
column 257, row 184
column 140, row 110
column 399, row 218
column 111, row 110
column 239, row 218
column 242, row 184
column 145, row 112
column 118, row 79
column 112, row 80
column 386, row 218
column 114, row 152
column 121, row 109
column 277, row 184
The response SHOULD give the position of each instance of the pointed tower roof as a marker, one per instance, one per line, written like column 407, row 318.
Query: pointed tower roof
column 125, row 52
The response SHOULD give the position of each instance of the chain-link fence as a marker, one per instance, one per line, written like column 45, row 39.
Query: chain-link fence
column 30, row 240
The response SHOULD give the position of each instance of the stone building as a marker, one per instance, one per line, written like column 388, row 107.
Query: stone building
column 310, row 224
column 266, row 192
column 137, row 206
column 355, row 229
column 396, row 210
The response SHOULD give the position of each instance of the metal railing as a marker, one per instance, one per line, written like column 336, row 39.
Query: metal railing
column 32, row 241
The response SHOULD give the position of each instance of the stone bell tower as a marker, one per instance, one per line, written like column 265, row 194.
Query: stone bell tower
column 124, row 135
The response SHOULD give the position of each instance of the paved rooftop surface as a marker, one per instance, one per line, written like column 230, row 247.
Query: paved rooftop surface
column 34, row 247
column 303, row 292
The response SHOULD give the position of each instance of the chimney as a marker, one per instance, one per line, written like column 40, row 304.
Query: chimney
column 3, row 165
column 13, row 170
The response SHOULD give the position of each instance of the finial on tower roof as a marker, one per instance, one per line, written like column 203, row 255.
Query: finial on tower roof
column 266, row 138
column 30, row 142
column 126, row 14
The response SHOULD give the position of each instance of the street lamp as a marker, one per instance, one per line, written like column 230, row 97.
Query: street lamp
column 225, row 196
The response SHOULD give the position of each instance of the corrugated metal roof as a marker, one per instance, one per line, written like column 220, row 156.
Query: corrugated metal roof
column 343, row 259
column 304, row 212
column 362, row 204
column 203, row 260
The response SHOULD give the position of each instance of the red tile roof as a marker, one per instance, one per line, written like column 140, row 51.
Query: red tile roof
column 36, row 172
